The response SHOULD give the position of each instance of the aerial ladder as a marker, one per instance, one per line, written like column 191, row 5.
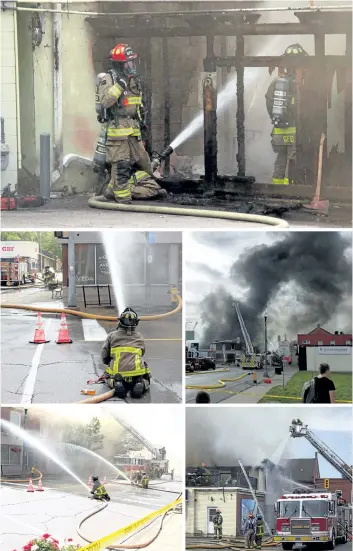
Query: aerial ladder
column 156, row 453
column 247, row 360
column 298, row 430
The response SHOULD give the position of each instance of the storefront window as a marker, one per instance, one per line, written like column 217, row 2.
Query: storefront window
column 103, row 275
column 4, row 454
column 85, row 264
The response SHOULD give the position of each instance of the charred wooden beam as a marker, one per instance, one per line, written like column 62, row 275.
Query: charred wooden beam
column 117, row 27
column 166, row 75
column 240, row 106
column 278, row 61
column 210, row 116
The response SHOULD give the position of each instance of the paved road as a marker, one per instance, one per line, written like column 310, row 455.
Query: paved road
column 62, row 505
column 51, row 373
column 74, row 212
column 212, row 377
column 345, row 547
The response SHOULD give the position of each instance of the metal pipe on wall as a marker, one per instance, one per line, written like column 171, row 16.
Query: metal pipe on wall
column 17, row 87
column 58, row 91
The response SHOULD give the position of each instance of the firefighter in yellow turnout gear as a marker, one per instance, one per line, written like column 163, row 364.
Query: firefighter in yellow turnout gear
column 98, row 490
column 281, row 107
column 143, row 186
column 119, row 92
column 122, row 353
column 145, row 481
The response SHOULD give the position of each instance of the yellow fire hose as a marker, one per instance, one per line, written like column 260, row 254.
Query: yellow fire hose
column 34, row 470
column 100, row 202
column 85, row 315
column 222, row 384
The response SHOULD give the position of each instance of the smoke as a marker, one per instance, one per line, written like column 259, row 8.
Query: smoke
column 300, row 280
column 252, row 434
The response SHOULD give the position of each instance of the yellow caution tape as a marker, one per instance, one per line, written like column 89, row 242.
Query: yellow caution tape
column 107, row 540
column 222, row 384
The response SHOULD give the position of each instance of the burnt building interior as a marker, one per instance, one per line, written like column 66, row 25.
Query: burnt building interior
column 314, row 77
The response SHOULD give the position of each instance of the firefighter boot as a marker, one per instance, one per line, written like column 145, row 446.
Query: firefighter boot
column 139, row 387
column 120, row 387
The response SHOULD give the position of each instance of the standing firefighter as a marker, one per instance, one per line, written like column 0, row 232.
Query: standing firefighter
column 250, row 530
column 217, row 525
column 120, row 107
column 145, row 481
column 98, row 490
column 122, row 354
column 259, row 532
column 281, row 107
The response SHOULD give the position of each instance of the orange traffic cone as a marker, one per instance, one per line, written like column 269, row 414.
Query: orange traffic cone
column 105, row 481
column 40, row 486
column 39, row 335
column 30, row 486
column 89, row 483
column 63, row 332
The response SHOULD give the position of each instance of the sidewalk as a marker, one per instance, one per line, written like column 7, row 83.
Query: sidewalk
column 254, row 394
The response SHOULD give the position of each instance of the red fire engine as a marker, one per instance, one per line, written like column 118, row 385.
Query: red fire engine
column 312, row 517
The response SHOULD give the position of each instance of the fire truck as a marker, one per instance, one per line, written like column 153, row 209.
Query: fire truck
column 316, row 517
column 312, row 517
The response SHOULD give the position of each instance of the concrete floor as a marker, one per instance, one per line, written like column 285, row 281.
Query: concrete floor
column 51, row 373
column 62, row 505
column 73, row 212
column 241, row 391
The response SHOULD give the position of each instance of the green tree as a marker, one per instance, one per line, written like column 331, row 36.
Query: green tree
column 46, row 240
column 88, row 436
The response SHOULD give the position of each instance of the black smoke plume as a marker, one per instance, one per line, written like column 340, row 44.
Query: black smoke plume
column 318, row 263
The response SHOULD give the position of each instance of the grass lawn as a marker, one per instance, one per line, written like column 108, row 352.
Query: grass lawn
column 343, row 384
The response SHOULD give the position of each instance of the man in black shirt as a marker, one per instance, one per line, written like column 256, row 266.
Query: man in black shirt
column 325, row 388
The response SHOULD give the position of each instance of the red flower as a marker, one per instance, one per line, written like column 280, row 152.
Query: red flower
column 46, row 536
column 27, row 547
column 70, row 539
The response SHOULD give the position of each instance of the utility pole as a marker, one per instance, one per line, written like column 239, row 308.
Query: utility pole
column 72, row 275
column 265, row 372
column 25, row 451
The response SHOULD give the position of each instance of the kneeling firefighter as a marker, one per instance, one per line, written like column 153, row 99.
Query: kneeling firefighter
column 281, row 108
column 98, row 490
column 120, row 109
column 122, row 352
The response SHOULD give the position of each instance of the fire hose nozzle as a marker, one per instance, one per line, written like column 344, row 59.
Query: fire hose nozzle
column 159, row 157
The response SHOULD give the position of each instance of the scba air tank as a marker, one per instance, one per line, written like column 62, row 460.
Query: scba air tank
column 101, row 113
column 100, row 154
column 282, row 100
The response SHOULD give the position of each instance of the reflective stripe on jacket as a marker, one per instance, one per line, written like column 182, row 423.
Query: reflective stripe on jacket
column 122, row 353
column 138, row 177
column 124, row 109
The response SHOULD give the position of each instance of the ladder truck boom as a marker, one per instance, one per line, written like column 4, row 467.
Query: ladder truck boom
column 297, row 430
column 246, row 336
column 138, row 436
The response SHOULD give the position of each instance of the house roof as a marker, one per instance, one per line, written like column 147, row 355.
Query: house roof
column 319, row 330
column 300, row 469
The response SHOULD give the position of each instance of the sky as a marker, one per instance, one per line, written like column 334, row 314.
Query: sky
column 208, row 259
column 225, row 435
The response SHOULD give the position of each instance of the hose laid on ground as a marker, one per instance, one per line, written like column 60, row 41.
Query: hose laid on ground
column 99, row 203
column 222, row 384
column 27, row 479
column 98, row 399
column 122, row 546
column 85, row 315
